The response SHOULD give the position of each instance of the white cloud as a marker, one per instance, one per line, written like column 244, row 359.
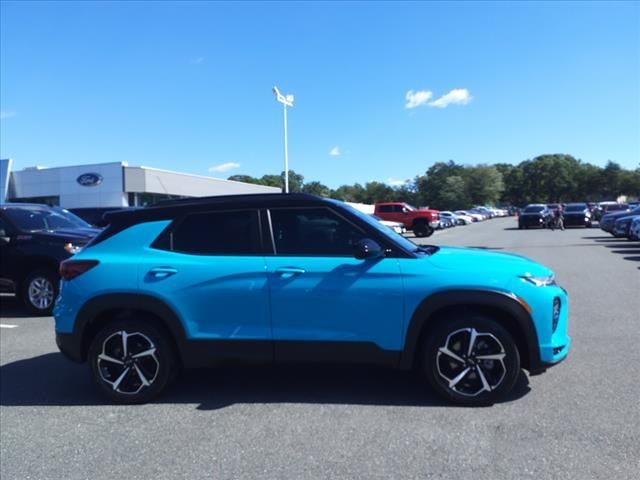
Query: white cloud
column 5, row 114
column 395, row 182
column 335, row 151
column 224, row 167
column 415, row 99
column 457, row 96
column 197, row 60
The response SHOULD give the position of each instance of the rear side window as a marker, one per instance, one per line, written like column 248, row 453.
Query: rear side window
column 218, row 233
column 313, row 232
column 385, row 208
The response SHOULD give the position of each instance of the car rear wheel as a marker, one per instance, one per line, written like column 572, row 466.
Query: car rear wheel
column 39, row 291
column 471, row 361
column 131, row 361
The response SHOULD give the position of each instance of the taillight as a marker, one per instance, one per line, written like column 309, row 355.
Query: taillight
column 70, row 269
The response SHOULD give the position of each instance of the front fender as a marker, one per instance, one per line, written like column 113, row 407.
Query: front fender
column 513, row 308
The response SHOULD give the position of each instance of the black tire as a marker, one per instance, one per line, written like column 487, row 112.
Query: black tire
column 157, row 369
column 471, row 390
column 422, row 229
column 38, row 291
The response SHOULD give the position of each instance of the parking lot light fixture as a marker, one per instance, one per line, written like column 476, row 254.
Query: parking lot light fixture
column 286, row 101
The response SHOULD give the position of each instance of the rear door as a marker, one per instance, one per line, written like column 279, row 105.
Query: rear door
column 211, row 269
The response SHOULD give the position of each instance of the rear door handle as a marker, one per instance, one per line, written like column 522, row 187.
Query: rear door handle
column 162, row 272
column 288, row 272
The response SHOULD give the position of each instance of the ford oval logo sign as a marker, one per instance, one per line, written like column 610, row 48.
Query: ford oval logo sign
column 89, row 179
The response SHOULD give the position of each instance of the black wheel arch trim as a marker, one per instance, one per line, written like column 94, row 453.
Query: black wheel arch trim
column 508, row 303
column 77, row 345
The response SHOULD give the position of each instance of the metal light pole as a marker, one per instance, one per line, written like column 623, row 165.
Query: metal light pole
column 286, row 101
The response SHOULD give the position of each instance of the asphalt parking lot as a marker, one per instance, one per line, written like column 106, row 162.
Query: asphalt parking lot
column 580, row 420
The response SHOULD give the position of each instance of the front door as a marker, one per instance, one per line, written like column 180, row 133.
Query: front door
column 326, row 304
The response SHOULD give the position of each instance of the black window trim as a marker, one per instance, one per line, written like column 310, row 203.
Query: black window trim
column 391, row 250
column 176, row 222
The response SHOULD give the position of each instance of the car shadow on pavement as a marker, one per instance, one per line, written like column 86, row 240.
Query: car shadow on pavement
column 51, row 380
column 628, row 246
column 601, row 238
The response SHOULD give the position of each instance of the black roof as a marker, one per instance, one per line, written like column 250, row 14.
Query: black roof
column 171, row 208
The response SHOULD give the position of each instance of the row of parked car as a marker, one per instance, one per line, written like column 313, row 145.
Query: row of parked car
column 623, row 223
column 581, row 214
column 424, row 221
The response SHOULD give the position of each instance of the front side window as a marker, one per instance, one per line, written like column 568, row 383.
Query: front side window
column 218, row 233
column 313, row 231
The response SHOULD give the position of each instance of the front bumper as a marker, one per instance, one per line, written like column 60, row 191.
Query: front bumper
column 531, row 221
column 576, row 220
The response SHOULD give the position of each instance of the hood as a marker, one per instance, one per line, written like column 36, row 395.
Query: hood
column 79, row 235
column 475, row 260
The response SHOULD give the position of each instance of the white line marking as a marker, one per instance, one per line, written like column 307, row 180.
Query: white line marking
column 4, row 325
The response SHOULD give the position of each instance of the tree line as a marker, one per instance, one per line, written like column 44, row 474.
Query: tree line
column 452, row 186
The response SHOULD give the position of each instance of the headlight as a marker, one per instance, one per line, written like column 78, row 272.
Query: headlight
column 71, row 248
column 543, row 281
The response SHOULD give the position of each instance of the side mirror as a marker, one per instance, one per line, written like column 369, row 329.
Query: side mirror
column 4, row 238
column 367, row 248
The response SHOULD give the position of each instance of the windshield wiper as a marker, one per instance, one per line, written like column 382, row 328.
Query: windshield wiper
column 428, row 249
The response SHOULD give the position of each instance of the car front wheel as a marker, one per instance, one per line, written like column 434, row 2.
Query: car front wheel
column 131, row 361
column 471, row 361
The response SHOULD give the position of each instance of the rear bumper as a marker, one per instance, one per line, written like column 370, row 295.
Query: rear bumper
column 70, row 346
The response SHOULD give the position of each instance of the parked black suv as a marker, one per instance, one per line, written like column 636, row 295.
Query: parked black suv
column 34, row 239
column 534, row 215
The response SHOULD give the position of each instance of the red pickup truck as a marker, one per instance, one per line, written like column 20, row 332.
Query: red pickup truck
column 422, row 222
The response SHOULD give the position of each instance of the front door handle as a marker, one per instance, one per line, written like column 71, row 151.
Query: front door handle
column 288, row 272
column 162, row 272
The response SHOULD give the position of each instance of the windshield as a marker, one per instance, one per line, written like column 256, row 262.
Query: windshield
column 411, row 208
column 534, row 209
column 576, row 208
column 73, row 218
column 386, row 231
column 34, row 219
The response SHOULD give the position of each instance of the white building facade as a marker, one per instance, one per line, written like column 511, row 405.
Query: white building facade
column 115, row 184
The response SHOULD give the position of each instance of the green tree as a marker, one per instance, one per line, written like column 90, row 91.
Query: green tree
column 484, row 185
column 245, row 179
column 316, row 188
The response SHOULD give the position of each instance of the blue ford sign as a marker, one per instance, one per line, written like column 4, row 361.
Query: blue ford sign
column 89, row 179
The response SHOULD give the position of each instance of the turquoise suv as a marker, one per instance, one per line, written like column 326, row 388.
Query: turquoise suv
column 296, row 278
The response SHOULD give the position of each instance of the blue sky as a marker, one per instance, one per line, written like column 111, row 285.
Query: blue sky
column 187, row 86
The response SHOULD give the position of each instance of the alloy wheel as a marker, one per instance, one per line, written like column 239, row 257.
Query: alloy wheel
column 41, row 292
column 471, row 362
column 128, row 362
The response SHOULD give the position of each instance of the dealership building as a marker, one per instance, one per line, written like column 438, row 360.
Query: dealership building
column 114, row 184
